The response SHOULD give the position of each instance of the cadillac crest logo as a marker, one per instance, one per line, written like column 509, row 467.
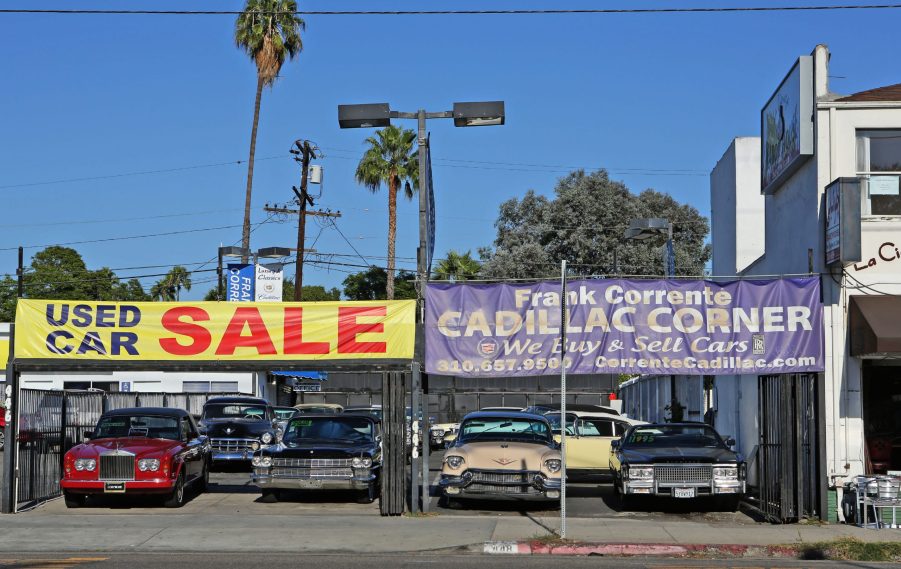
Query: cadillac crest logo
column 504, row 461
column 488, row 348
column 229, row 430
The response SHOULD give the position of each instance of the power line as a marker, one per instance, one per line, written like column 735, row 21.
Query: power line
column 550, row 11
column 125, row 238
column 127, row 174
column 120, row 219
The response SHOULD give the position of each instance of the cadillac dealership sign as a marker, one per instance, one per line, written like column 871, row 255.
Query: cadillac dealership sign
column 691, row 327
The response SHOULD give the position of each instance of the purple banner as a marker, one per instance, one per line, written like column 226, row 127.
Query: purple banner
column 626, row 326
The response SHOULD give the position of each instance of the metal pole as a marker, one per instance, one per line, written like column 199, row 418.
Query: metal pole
column 423, row 277
column 11, row 395
column 301, row 219
column 564, row 321
column 219, row 276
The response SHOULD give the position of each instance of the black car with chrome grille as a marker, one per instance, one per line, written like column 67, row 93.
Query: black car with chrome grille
column 677, row 460
column 322, row 452
column 237, row 426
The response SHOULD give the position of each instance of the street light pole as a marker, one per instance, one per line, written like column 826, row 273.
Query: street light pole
column 485, row 113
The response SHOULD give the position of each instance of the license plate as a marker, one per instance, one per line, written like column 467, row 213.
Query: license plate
column 683, row 492
column 114, row 487
column 310, row 484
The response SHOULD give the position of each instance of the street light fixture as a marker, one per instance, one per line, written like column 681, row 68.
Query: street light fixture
column 645, row 228
column 231, row 251
column 483, row 113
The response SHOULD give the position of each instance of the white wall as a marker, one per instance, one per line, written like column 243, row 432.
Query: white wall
column 737, row 207
column 141, row 381
column 794, row 224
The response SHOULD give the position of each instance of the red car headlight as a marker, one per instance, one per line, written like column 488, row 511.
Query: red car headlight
column 88, row 464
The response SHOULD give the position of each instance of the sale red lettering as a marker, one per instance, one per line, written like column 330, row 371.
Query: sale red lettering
column 173, row 321
column 349, row 327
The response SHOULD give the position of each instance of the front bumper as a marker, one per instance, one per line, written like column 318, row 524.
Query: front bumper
column 539, row 487
column 724, row 487
column 362, row 479
column 152, row 486
column 231, row 450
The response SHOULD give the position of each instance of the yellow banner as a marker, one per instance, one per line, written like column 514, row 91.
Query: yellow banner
column 193, row 331
column 4, row 356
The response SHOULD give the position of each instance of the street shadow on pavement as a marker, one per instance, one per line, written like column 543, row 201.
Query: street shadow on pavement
column 686, row 508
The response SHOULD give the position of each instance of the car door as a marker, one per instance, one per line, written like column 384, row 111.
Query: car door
column 590, row 448
column 193, row 455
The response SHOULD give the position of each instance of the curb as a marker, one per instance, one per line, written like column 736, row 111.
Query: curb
column 636, row 549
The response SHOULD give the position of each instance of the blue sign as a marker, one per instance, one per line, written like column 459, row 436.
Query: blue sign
column 125, row 386
column 240, row 282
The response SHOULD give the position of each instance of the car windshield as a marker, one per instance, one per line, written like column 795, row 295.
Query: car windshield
column 151, row 426
column 371, row 411
column 504, row 429
column 316, row 410
column 234, row 411
column 554, row 420
column 673, row 436
column 334, row 429
column 282, row 414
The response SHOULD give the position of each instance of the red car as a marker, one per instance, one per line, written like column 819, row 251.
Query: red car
column 143, row 450
column 2, row 428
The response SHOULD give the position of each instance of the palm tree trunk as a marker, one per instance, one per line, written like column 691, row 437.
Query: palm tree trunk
column 392, row 233
column 245, row 234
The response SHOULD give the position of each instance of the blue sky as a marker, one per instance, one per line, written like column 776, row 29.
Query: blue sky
column 96, row 96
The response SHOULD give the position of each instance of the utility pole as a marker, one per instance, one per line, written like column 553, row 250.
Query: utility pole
column 302, row 212
column 303, row 151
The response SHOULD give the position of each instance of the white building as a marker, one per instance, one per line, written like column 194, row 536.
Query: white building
column 780, row 230
column 143, row 381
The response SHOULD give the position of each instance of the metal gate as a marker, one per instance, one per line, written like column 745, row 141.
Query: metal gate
column 788, row 454
column 394, row 463
column 51, row 422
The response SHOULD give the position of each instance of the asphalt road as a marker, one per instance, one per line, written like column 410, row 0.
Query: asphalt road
column 358, row 561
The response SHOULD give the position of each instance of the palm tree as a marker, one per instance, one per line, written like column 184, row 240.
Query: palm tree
column 179, row 278
column 169, row 287
column 457, row 267
column 162, row 291
column 391, row 159
column 267, row 30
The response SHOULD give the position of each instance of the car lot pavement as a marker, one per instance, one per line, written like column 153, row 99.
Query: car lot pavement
column 231, row 518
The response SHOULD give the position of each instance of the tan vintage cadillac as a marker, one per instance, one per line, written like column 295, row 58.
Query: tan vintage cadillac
column 588, row 438
column 502, row 455
column 442, row 435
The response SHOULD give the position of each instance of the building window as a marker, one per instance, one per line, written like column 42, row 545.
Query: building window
column 879, row 167
column 210, row 386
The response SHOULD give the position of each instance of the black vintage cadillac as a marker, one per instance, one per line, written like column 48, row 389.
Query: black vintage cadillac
column 322, row 452
column 237, row 426
column 677, row 460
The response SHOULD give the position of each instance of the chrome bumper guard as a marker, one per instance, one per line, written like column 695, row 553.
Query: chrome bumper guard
column 361, row 479
column 540, row 485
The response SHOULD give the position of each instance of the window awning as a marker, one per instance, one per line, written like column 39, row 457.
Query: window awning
column 314, row 375
column 875, row 325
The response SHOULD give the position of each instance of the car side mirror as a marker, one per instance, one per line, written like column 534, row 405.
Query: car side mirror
column 378, row 438
column 730, row 442
column 87, row 435
column 614, row 445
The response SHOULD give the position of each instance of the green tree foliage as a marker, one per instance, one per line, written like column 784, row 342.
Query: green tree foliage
column 311, row 293
column 457, row 267
column 390, row 160
column 169, row 287
column 60, row 273
column 584, row 224
column 372, row 285
column 268, row 31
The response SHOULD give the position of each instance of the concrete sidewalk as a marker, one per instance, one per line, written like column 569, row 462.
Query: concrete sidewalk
column 53, row 528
